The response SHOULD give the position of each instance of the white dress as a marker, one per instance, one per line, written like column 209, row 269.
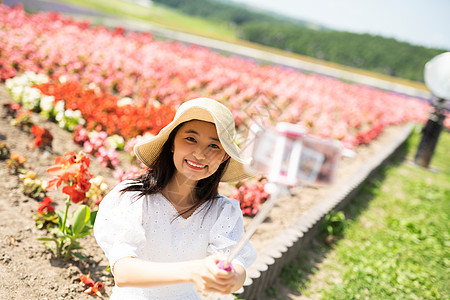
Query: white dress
column 145, row 228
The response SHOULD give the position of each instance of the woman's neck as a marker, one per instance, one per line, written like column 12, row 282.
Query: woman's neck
column 180, row 191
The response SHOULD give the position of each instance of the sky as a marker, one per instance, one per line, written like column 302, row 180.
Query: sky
column 419, row 22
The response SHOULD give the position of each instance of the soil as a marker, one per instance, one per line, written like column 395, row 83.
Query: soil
column 29, row 270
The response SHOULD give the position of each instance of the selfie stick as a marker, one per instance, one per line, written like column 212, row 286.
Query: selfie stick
column 275, row 191
column 287, row 156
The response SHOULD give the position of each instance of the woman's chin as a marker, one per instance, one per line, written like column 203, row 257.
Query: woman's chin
column 191, row 175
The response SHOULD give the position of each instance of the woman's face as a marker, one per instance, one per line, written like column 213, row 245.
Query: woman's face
column 197, row 151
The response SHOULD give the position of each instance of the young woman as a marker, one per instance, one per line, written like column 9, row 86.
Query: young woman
column 166, row 230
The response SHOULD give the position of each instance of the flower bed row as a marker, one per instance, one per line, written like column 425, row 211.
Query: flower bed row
column 153, row 72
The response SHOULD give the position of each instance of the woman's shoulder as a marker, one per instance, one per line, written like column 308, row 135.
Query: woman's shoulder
column 123, row 185
column 128, row 182
column 117, row 195
column 224, row 203
column 224, row 199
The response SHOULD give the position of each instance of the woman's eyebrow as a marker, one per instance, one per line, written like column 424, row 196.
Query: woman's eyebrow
column 192, row 131
column 196, row 133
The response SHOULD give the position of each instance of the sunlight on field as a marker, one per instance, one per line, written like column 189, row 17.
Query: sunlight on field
column 160, row 15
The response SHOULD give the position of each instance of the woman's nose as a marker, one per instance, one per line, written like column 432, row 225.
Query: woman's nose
column 200, row 153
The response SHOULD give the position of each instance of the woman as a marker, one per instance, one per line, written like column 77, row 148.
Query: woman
column 166, row 230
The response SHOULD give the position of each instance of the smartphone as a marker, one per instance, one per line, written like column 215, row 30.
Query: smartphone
column 286, row 155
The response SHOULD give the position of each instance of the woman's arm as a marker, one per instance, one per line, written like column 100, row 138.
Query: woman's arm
column 134, row 272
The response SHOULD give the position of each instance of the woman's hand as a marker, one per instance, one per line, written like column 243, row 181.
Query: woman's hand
column 209, row 277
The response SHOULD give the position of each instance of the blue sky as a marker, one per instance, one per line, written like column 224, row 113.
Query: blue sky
column 419, row 22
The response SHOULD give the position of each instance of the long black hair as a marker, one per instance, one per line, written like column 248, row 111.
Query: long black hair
column 159, row 175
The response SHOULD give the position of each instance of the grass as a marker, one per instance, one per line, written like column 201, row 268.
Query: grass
column 396, row 241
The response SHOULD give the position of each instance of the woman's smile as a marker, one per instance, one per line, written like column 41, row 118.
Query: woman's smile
column 194, row 165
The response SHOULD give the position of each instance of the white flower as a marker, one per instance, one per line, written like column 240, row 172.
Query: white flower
column 47, row 102
column 32, row 78
column 59, row 116
column 125, row 101
column 9, row 83
column 97, row 180
column 69, row 113
column 22, row 81
column 18, row 84
column 59, row 107
column 116, row 141
column 62, row 123
column 92, row 134
column 38, row 79
column 16, row 93
column 31, row 97
column 103, row 186
column 76, row 114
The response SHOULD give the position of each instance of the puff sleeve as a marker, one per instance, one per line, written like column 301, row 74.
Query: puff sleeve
column 226, row 232
column 118, row 226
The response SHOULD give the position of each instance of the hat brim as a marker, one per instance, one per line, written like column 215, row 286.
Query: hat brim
column 147, row 151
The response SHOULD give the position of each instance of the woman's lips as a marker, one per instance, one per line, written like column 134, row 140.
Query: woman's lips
column 195, row 165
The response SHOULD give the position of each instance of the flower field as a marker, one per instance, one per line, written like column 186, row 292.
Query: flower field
column 154, row 73
column 108, row 84
column 109, row 88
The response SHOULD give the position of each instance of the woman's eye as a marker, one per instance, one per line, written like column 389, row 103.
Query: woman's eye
column 190, row 139
column 214, row 146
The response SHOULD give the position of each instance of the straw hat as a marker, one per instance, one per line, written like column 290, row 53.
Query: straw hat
column 203, row 109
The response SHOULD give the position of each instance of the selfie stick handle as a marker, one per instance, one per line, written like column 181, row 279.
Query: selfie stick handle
column 275, row 191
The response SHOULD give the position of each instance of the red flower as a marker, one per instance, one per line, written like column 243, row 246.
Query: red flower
column 94, row 288
column 73, row 172
column 75, row 194
column 46, row 204
column 62, row 172
column 98, row 286
column 43, row 136
column 101, row 112
column 86, row 279
column 80, row 158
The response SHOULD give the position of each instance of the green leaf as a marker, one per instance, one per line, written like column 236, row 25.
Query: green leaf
column 74, row 246
column 60, row 218
column 80, row 217
column 47, row 239
column 79, row 255
column 91, row 222
column 83, row 234
column 68, row 232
